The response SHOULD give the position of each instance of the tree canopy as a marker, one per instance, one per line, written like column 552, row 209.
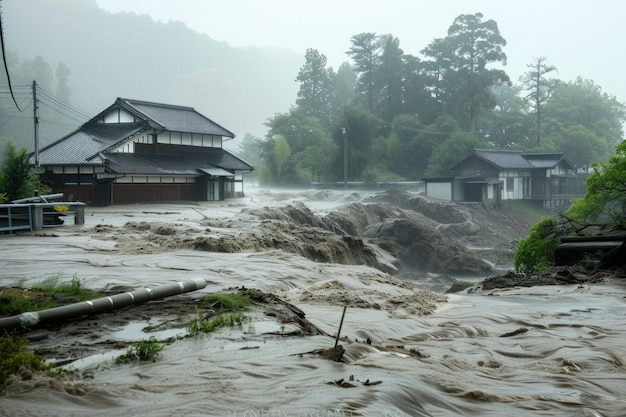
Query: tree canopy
column 17, row 178
column 420, row 114
column 604, row 205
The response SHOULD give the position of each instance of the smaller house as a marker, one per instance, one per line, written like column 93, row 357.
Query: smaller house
column 490, row 176
column 137, row 151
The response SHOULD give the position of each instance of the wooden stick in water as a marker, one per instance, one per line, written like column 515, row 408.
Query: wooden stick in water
column 340, row 325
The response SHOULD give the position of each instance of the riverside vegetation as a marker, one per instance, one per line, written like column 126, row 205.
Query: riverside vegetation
column 601, row 211
column 48, row 293
column 225, row 310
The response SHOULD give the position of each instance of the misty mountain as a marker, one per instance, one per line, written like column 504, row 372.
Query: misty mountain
column 127, row 55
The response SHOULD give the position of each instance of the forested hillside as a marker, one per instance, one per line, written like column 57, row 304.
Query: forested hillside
column 102, row 56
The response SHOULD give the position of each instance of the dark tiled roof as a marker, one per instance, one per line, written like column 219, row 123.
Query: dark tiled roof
column 503, row 159
column 546, row 160
column 82, row 147
column 128, row 163
column 94, row 142
column 220, row 157
column 508, row 159
column 175, row 118
column 188, row 164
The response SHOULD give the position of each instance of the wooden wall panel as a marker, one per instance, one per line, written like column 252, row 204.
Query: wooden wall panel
column 144, row 193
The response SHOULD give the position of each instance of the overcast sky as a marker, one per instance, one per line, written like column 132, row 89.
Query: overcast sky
column 580, row 38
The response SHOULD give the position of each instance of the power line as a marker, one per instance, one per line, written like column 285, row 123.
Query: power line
column 63, row 125
column 62, row 104
column 25, row 93
column 69, row 116
column 4, row 59
column 16, row 86
column 50, row 101
column 14, row 115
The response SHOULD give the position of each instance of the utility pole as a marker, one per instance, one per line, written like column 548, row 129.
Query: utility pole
column 344, row 131
column 345, row 157
column 36, row 120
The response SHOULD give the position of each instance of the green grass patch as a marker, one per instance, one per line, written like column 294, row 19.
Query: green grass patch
column 206, row 323
column 254, row 294
column 227, row 310
column 53, row 287
column 228, row 302
column 143, row 351
column 49, row 293
column 13, row 304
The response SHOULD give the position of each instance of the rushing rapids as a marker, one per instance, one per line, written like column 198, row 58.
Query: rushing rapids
column 532, row 351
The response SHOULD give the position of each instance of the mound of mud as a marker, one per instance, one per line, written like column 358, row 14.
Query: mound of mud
column 439, row 211
column 394, row 231
column 470, row 224
column 313, row 243
column 413, row 238
column 422, row 249
column 296, row 213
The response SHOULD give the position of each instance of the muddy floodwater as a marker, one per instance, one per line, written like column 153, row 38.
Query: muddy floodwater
column 409, row 351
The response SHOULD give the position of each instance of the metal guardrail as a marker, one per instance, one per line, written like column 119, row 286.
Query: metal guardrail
column 32, row 216
column 15, row 216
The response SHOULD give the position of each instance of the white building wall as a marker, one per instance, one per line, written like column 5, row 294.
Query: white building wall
column 172, row 138
column 512, row 184
column 558, row 170
column 238, row 181
column 439, row 190
column 119, row 116
column 190, row 139
column 154, row 179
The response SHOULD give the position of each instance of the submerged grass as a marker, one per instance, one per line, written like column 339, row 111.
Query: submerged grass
column 206, row 324
column 48, row 293
column 227, row 311
column 143, row 351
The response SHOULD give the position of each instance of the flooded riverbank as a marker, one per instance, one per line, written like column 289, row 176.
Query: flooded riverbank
column 539, row 351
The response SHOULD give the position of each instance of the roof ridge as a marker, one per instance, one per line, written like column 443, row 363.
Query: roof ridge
column 155, row 104
column 499, row 150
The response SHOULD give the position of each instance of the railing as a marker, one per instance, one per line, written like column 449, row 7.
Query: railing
column 15, row 217
column 569, row 196
column 34, row 216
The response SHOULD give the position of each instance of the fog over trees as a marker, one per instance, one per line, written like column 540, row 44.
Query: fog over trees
column 383, row 115
column 412, row 116
column 87, row 57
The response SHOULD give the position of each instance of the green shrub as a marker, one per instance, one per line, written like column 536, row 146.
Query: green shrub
column 13, row 356
column 536, row 253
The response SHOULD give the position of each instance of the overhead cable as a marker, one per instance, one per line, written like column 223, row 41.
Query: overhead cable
column 4, row 59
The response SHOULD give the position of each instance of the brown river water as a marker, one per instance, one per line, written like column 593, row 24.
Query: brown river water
column 540, row 351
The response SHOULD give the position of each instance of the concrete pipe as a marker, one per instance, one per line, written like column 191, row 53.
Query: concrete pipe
column 99, row 305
